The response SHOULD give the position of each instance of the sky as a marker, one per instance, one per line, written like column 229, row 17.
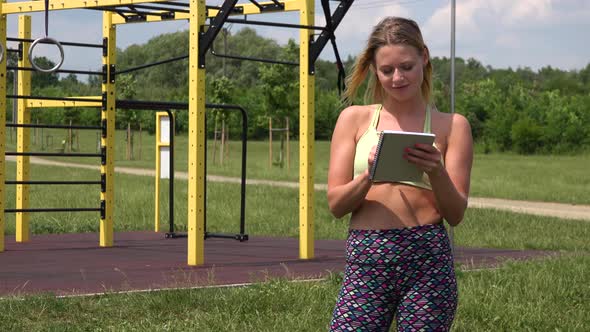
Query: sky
column 498, row 33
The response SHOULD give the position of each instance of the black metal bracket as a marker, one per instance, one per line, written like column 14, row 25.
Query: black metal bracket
column 20, row 51
column 112, row 73
column 135, row 18
column 103, row 130
column 104, row 74
column 104, row 100
column 103, row 183
column 268, row 7
column 206, row 38
column 105, row 46
column 103, row 155
column 316, row 47
column 103, row 208
column 168, row 16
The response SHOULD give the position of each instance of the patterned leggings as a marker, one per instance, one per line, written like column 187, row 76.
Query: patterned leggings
column 404, row 273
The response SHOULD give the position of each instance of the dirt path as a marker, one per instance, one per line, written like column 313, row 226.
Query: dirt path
column 568, row 211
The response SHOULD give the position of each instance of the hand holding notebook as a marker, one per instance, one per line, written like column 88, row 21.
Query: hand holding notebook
column 389, row 164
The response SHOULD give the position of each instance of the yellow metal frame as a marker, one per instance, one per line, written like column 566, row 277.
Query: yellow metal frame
column 196, row 140
column 108, row 115
column 2, row 126
column 306, row 135
column 39, row 6
column 23, row 134
column 247, row 9
column 159, row 146
column 196, row 167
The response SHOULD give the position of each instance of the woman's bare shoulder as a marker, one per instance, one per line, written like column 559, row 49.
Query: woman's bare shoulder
column 356, row 114
column 449, row 121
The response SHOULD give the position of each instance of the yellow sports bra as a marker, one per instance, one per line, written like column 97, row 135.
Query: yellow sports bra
column 370, row 138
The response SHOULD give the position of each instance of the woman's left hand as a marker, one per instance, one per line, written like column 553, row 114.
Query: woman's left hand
column 425, row 157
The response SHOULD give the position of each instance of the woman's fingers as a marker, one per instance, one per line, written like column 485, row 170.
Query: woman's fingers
column 425, row 157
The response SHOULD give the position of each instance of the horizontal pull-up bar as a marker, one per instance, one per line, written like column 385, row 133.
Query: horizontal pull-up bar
column 48, row 42
column 182, row 57
column 52, row 154
column 68, row 71
column 30, row 125
column 54, row 182
column 275, row 24
column 54, row 210
column 54, row 98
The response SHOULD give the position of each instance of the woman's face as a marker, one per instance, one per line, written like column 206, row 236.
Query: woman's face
column 399, row 69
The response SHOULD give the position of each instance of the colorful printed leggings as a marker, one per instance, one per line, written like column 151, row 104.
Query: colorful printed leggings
column 404, row 273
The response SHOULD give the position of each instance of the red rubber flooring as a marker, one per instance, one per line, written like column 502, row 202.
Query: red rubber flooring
column 69, row 264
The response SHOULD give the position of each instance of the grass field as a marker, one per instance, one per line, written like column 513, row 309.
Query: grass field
column 510, row 176
column 540, row 295
column 134, row 210
column 548, row 295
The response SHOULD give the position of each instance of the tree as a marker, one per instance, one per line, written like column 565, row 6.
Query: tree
column 40, row 80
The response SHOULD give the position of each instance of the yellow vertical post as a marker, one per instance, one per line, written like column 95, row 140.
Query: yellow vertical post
column 107, row 168
column 2, row 123
column 196, row 150
column 23, row 134
column 306, row 134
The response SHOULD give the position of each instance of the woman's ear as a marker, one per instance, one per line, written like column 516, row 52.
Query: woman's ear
column 425, row 56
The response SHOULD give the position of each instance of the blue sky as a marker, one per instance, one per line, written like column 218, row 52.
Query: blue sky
column 499, row 33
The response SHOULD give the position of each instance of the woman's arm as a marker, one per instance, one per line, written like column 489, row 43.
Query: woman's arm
column 450, row 183
column 345, row 194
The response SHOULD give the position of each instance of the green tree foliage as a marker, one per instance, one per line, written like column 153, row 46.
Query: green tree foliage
column 521, row 110
column 280, row 89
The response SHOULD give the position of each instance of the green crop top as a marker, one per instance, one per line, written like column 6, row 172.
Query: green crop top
column 371, row 137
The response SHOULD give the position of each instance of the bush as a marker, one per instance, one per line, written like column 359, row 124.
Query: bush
column 526, row 136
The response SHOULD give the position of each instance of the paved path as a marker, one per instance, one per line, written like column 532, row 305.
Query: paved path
column 568, row 211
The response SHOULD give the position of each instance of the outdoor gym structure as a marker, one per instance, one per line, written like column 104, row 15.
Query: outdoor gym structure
column 201, row 37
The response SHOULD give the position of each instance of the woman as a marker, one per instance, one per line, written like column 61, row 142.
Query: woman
column 399, row 260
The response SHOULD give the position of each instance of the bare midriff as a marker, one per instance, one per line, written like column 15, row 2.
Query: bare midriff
column 394, row 205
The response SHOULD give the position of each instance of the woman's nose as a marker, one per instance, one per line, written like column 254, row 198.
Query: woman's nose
column 397, row 76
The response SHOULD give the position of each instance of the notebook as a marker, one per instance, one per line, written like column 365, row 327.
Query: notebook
column 389, row 164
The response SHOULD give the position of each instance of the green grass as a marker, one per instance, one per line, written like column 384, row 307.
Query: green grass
column 134, row 210
column 548, row 295
column 562, row 179
column 539, row 178
column 538, row 295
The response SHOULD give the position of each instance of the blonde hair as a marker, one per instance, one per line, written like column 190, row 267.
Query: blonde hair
column 390, row 31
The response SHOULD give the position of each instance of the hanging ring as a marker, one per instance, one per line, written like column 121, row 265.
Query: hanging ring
column 46, row 40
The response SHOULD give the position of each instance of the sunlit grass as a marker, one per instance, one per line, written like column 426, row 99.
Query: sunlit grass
column 548, row 178
column 547, row 295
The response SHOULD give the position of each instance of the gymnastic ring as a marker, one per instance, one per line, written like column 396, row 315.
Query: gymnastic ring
column 1, row 52
column 49, row 40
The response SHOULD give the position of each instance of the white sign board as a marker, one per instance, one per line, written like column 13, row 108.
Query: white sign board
column 165, row 129
column 164, row 162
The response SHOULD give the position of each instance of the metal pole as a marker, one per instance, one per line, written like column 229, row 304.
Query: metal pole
column 452, row 233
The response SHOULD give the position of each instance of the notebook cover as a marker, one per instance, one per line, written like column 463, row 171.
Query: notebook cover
column 389, row 164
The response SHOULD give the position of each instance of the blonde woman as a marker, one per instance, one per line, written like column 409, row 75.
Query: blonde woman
column 399, row 259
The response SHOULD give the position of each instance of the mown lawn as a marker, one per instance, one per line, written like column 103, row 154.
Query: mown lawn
column 546, row 178
column 541, row 295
